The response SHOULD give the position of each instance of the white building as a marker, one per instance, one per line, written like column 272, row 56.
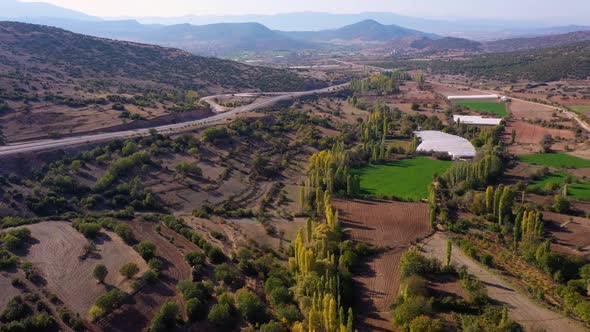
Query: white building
column 437, row 141
column 476, row 120
column 473, row 97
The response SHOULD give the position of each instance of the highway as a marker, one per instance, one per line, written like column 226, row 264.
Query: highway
column 47, row 145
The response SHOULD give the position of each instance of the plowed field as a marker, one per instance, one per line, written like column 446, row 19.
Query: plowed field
column 383, row 224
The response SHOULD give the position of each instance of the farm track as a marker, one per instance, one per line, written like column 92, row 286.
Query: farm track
column 384, row 224
column 533, row 316
column 144, row 303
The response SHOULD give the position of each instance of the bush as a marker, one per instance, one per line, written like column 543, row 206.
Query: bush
column 216, row 255
column 146, row 249
column 414, row 263
column 196, row 310
column 166, row 318
column 125, row 232
column 89, row 230
column 111, row 300
column 273, row 327
column 425, row 324
column 100, row 272
column 155, row 264
column 194, row 290
column 406, row 312
column 221, row 315
column 16, row 309
column 195, row 258
column 250, row 306
column 226, row 273
column 129, row 270
column 151, row 277
column 7, row 260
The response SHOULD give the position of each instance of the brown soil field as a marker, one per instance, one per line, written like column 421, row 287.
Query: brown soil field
column 8, row 291
column 528, row 110
column 533, row 316
column 55, row 254
column 394, row 225
column 529, row 136
column 447, row 90
column 144, row 304
column 571, row 236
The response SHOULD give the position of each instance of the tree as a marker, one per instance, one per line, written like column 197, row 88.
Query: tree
column 146, row 249
column 560, row 204
column 449, row 252
column 100, row 273
column 250, row 306
column 125, row 232
column 490, row 199
column 224, row 272
column 424, row 323
column 196, row 310
column 165, row 319
column 129, row 270
column 221, row 315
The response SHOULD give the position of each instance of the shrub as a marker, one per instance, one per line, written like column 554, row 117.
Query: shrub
column 196, row 310
column 89, row 230
column 155, row 264
column 166, row 318
column 273, row 327
column 226, row 273
column 111, row 300
column 129, row 270
column 16, row 309
column 216, row 255
column 414, row 263
column 100, row 273
column 425, row 324
column 221, row 315
column 195, row 258
column 406, row 312
column 125, row 232
column 146, row 249
column 250, row 306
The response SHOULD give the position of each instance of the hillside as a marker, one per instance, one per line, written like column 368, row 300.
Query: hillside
column 447, row 43
column 364, row 31
column 74, row 80
column 549, row 64
column 222, row 38
column 520, row 44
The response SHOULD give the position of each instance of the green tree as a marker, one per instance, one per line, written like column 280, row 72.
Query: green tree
column 146, row 249
column 129, row 270
column 100, row 273
column 166, row 318
column 449, row 252
column 250, row 306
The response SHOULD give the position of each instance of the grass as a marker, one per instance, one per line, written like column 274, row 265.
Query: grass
column 493, row 107
column 576, row 190
column 557, row 160
column 580, row 108
column 406, row 179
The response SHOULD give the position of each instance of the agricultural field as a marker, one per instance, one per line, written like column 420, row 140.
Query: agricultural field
column 581, row 109
column 491, row 107
column 56, row 253
column 576, row 190
column 391, row 225
column 557, row 160
column 571, row 234
column 405, row 179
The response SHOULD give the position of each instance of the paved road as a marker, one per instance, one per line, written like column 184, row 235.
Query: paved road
column 532, row 315
column 45, row 145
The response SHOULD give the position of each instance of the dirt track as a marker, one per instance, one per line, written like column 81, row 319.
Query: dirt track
column 382, row 224
column 522, row 309
column 137, row 315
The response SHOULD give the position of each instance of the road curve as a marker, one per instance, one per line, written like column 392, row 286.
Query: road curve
column 45, row 145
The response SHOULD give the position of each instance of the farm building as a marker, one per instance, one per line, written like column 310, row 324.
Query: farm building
column 476, row 120
column 437, row 141
column 473, row 97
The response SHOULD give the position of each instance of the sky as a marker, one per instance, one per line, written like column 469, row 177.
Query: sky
column 560, row 11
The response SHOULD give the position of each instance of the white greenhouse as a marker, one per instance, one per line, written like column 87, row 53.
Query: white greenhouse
column 437, row 141
column 476, row 120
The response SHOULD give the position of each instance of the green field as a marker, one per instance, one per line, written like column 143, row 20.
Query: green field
column 580, row 108
column 578, row 190
column 406, row 179
column 484, row 106
column 558, row 160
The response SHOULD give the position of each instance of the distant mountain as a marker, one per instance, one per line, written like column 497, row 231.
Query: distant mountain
column 364, row 31
column 12, row 9
column 446, row 43
column 223, row 38
column 519, row 44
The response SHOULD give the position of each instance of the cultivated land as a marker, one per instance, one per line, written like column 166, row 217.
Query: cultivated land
column 491, row 107
column 577, row 190
column 56, row 255
column 558, row 160
column 392, row 226
column 571, row 234
column 531, row 315
column 406, row 179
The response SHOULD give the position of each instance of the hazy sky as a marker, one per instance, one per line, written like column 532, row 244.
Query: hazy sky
column 573, row 11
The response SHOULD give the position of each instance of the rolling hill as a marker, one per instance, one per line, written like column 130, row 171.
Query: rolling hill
column 520, row 44
column 446, row 43
column 364, row 31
